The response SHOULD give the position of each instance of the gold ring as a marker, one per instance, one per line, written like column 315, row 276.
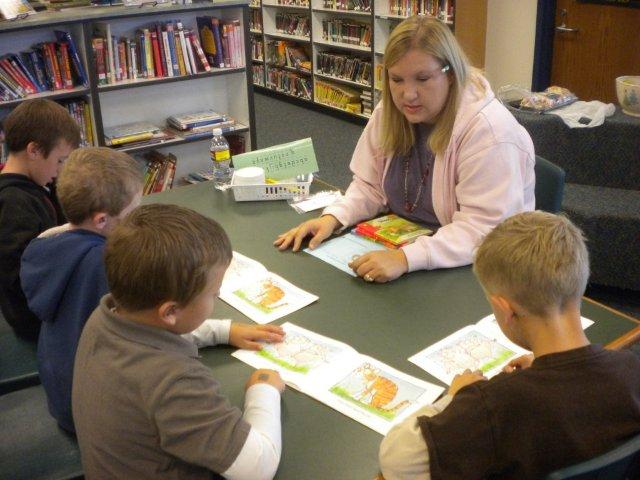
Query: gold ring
column 368, row 278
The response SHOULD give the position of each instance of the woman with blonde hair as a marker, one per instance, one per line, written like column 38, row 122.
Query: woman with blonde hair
column 439, row 149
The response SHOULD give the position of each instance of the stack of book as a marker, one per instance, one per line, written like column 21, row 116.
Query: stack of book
column 391, row 230
column 367, row 102
column 357, row 5
column 159, row 171
column 346, row 31
column 222, row 42
column 289, row 82
column 64, row 4
column 199, row 124
column 47, row 66
column 297, row 3
column 293, row 24
column 443, row 9
column 345, row 66
column 338, row 96
column 79, row 110
column 135, row 134
column 288, row 54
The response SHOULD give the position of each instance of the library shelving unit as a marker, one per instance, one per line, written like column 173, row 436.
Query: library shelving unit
column 225, row 90
column 342, row 32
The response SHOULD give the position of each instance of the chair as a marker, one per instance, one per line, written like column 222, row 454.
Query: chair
column 32, row 446
column 621, row 463
column 549, row 185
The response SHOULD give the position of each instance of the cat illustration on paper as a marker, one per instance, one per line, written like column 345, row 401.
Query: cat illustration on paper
column 379, row 391
column 269, row 296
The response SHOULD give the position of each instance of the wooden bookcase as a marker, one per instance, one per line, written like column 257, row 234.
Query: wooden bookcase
column 228, row 90
column 379, row 18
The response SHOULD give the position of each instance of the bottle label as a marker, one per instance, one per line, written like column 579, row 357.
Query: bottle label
column 220, row 156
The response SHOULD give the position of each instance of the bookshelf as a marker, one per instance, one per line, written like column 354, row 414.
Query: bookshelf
column 366, row 25
column 225, row 90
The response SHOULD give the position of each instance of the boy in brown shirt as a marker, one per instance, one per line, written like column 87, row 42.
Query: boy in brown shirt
column 567, row 402
column 144, row 406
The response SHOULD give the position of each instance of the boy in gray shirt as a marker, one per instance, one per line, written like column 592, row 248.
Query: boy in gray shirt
column 144, row 406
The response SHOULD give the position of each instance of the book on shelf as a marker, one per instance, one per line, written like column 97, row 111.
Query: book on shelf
column 46, row 66
column 354, row 5
column 65, row 4
column 205, row 118
column 283, row 53
column 391, row 230
column 346, row 67
column 11, row 9
column 337, row 30
column 221, row 41
column 338, row 96
column 81, row 113
column 289, row 82
column 158, row 50
column 130, row 132
column 159, row 171
column 293, row 24
column 442, row 9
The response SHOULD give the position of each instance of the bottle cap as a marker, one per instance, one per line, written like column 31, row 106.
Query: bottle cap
column 217, row 131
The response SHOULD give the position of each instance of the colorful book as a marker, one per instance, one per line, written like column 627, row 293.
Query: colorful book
column 129, row 132
column 103, row 30
column 81, row 73
column 392, row 230
column 196, row 119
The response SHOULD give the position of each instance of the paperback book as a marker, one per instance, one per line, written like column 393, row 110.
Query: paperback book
column 261, row 295
column 391, row 230
column 130, row 132
column 332, row 372
column 482, row 347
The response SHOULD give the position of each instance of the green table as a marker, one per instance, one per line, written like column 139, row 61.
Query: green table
column 389, row 322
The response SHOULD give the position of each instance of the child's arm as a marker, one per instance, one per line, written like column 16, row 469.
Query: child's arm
column 260, row 455
column 214, row 332
column 403, row 452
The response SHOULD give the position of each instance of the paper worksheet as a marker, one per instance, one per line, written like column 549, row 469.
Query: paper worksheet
column 482, row 347
column 340, row 251
column 261, row 295
column 332, row 372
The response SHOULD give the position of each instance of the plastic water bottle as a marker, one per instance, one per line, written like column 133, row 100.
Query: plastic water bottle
column 221, row 158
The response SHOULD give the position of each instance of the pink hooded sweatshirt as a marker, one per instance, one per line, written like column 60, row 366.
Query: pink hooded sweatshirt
column 484, row 176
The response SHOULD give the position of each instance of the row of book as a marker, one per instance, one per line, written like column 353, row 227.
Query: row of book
column 167, row 50
column 47, row 66
column 338, row 96
column 345, row 66
column 289, row 82
column 293, row 24
column 296, row 3
column 255, row 20
column 256, row 49
column 288, row 54
column 367, row 102
column 346, row 31
column 81, row 113
column 356, row 5
column 258, row 75
column 442, row 9
column 159, row 171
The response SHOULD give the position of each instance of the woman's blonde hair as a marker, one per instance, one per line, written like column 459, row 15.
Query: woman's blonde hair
column 430, row 36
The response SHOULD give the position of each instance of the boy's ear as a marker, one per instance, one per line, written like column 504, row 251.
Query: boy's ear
column 167, row 312
column 33, row 150
column 502, row 305
column 99, row 220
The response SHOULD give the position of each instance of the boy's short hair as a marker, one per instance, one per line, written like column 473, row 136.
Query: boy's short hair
column 97, row 179
column 41, row 121
column 162, row 253
column 538, row 259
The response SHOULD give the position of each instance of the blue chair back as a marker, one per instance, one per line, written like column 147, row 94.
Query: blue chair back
column 549, row 185
column 621, row 463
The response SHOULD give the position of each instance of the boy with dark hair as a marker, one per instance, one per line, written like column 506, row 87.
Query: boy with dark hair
column 40, row 134
column 63, row 275
column 144, row 405
column 566, row 403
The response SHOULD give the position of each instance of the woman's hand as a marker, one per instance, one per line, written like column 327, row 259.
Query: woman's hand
column 320, row 229
column 380, row 266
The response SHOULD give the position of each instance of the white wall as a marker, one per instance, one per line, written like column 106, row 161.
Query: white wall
column 511, row 34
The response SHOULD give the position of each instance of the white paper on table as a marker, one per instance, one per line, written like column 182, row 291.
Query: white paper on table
column 332, row 372
column 340, row 251
column 259, row 294
column 316, row 201
column 482, row 347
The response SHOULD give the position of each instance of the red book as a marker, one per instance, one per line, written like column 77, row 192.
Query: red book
column 199, row 52
column 50, row 48
column 225, row 45
column 163, row 65
column 17, row 76
column 122, row 60
column 98, row 53
column 65, row 67
column 157, row 59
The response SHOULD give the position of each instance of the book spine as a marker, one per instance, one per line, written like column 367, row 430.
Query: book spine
column 172, row 50
column 183, row 46
column 23, row 67
column 163, row 62
column 167, row 54
column 142, row 58
column 238, row 43
column 207, row 39
column 10, row 82
column 122, row 55
column 179, row 55
column 217, row 37
column 157, row 63
column 18, row 76
column 97, row 44
column 134, row 59
column 87, row 121
column 200, row 52
column 130, row 138
column 148, row 54
column 226, row 45
column 116, row 59
column 189, row 49
column 78, row 67
column 127, row 50
column 51, row 48
column 66, row 66
column 38, row 68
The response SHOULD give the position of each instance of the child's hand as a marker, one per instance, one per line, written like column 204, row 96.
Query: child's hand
column 465, row 378
column 270, row 377
column 519, row 363
column 249, row 337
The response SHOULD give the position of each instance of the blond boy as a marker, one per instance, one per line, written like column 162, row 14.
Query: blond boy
column 567, row 402
column 39, row 134
column 144, row 405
